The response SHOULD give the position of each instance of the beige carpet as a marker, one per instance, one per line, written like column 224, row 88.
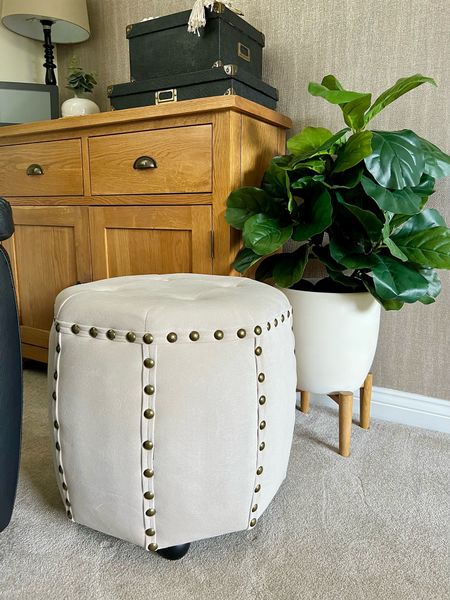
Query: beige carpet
column 375, row 526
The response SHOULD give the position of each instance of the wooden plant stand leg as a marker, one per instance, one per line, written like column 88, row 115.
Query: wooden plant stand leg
column 304, row 401
column 345, row 422
column 345, row 402
column 365, row 397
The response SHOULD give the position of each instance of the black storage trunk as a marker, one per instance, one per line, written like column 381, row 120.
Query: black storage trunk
column 187, row 86
column 163, row 46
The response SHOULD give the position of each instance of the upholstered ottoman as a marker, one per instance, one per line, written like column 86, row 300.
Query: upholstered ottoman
column 172, row 402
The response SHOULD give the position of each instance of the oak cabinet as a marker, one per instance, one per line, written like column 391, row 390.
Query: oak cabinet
column 155, row 239
column 127, row 193
column 50, row 250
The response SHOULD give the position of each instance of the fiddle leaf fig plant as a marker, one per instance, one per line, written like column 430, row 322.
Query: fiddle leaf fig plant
column 354, row 200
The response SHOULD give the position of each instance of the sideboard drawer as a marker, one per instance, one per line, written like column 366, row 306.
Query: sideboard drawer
column 41, row 169
column 164, row 161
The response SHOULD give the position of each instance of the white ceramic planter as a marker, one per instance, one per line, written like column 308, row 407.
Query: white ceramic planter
column 336, row 338
column 78, row 106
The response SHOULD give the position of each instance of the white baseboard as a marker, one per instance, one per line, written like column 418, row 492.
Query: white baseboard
column 402, row 407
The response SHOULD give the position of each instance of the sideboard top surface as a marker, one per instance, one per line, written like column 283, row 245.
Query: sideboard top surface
column 135, row 115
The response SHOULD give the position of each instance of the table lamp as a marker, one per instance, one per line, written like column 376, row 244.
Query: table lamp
column 58, row 21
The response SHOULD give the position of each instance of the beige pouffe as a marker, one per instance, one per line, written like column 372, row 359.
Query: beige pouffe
column 173, row 403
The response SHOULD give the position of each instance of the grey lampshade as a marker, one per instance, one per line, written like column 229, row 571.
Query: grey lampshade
column 70, row 19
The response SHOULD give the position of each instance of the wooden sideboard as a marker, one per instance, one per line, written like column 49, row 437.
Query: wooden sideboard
column 127, row 192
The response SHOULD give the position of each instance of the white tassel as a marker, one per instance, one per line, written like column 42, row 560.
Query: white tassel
column 198, row 15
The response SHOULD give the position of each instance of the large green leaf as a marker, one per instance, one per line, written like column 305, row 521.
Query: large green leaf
column 348, row 179
column 306, row 181
column 428, row 248
column 386, row 304
column 333, row 143
column 348, row 281
column 276, row 182
column 354, row 111
column 427, row 219
column 434, row 285
column 404, row 202
column 402, row 86
column 331, row 83
column 396, row 161
column 395, row 250
column 425, row 187
column 371, row 224
column 245, row 258
column 396, row 280
column 392, row 246
column 357, row 148
column 350, row 256
column 315, row 215
column 309, row 140
column 334, row 96
column 437, row 163
column 245, row 202
column 266, row 266
column 264, row 234
column 290, row 267
column 311, row 164
column 323, row 254
column 282, row 162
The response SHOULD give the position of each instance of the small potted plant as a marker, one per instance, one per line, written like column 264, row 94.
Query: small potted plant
column 82, row 83
column 355, row 202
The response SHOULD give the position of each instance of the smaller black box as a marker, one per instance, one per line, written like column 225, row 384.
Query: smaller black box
column 187, row 86
column 163, row 46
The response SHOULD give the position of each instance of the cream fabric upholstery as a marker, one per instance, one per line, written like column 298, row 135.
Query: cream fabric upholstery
column 204, row 396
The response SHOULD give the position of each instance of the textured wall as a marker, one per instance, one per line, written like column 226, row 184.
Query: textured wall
column 367, row 45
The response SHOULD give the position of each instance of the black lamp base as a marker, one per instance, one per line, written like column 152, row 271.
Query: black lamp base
column 50, row 77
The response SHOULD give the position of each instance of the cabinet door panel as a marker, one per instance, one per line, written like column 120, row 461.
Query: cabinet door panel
column 50, row 251
column 158, row 239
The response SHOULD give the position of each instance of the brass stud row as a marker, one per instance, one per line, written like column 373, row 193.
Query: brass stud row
column 262, row 423
column 75, row 329
column 172, row 337
column 111, row 334
column 147, row 444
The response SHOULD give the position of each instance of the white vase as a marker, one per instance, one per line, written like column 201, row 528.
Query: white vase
column 79, row 105
column 336, row 338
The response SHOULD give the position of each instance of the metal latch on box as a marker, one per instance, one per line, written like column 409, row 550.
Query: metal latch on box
column 230, row 70
column 166, row 96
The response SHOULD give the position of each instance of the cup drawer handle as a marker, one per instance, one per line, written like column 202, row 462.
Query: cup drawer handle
column 145, row 162
column 34, row 170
